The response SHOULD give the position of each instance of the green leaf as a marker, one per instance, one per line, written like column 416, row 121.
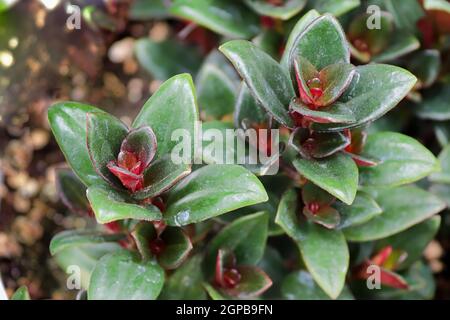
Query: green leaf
column 167, row 58
column 110, row 205
column 403, row 207
column 246, row 237
column 324, row 251
column 160, row 176
column 327, row 217
column 172, row 107
column 375, row 89
column 311, row 193
column 442, row 133
column 267, row 81
column 362, row 210
column 72, row 191
column 211, row 191
column 400, row 45
column 426, row 65
column 402, row 160
column 413, row 241
column 326, row 257
column 336, row 113
column 146, row 10
column 248, row 111
column 284, row 12
column 122, row 276
column 299, row 27
column 406, row 13
column 186, row 282
column 322, row 43
column 68, row 123
column 105, row 134
column 270, row 41
column 85, row 256
column 435, row 104
column 444, row 175
column 77, row 238
column 176, row 244
column 216, row 92
column 228, row 18
column 212, row 292
column 336, row 8
column 21, row 294
column 337, row 174
column 299, row 285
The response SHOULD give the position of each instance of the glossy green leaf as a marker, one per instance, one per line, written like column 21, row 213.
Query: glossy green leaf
column 68, row 123
column 403, row 207
column 21, row 294
column 298, row 29
column 426, row 65
column 105, row 134
column 311, row 193
column 413, row 241
column 172, row 107
column 77, row 238
column 228, row 18
column 160, row 176
column 402, row 160
column 336, row 7
column 435, row 104
column 300, row 285
column 122, row 276
column 146, row 10
column 326, row 257
column 362, row 210
column 246, row 237
column 284, row 11
column 375, row 89
column 110, row 205
column 287, row 216
column 336, row 113
column 322, row 43
column 267, row 81
column 84, row 256
column 211, row 191
column 167, row 58
column 72, row 191
column 216, row 92
column 327, row 217
column 337, row 174
column 186, row 282
column 248, row 111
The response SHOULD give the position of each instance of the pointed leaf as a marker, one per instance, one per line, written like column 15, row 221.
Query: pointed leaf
column 375, row 89
column 140, row 142
column 211, row 191
column 109, row 205
column 327, row 217
column 72, row 192
column 362, row 210
column 170, row 108
column 246, row 237
column 167, row 58
column 76, row 238
column 318, row 144
column 403, row 207
column 267, row 81
column 21, row 294
column 253, row 283
column 68, row 123
column 228, row 18
column 121, row 276
column 299, row 285
column 322, row 43
column 287, row 216
column 402, row 160
column 284, row 11
column 336, row 174
column 105, row 134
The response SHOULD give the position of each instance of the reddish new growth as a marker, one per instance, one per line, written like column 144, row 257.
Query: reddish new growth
column 276, row 3
column 157, row 246
column 361, row 45
column 227, row 276
column 129, row 169
column 315, row 88
column 314, row 207
column 231, row 278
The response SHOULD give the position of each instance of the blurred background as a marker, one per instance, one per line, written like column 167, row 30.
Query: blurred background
column 43, row 60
